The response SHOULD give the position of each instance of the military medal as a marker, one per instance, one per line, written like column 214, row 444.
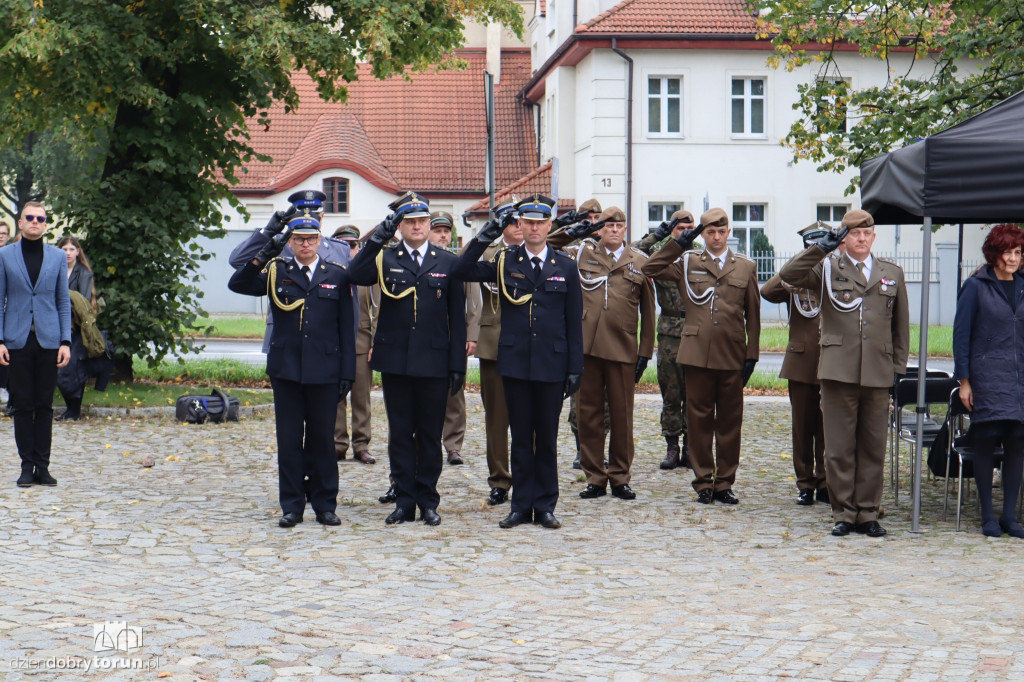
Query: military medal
column 885, row 288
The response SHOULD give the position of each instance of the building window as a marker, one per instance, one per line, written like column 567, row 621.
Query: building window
column 658, row 212
column 832, row 213
column 832, row 103
column 747, row 221
column 336, row 190
column 664, row 105
column 748, row 107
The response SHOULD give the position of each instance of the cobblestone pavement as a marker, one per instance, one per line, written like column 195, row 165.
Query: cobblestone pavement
column 658, row 588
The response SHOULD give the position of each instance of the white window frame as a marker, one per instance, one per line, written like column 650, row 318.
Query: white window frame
column 832, row 207
column 748, row 225
column 849, row 81
column 663, row 205
column 663, row 97
column 747, row 98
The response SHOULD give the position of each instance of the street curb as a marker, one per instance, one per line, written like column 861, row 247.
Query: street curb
column 150, row 412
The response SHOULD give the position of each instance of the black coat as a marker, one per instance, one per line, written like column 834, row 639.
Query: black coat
column 988, row 345
column 316, row 343
column 541, row 340
column 80, row 280
column 421, row 335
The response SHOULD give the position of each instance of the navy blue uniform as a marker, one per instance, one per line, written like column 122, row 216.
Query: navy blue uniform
column 540, row 344
column 312, row 349
column 420, row 340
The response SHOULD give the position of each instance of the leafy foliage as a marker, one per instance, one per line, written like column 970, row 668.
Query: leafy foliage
column 160, row 91
column 946, row 62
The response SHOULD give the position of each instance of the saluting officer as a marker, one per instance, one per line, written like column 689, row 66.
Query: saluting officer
column 671, row 377
column 540, row 349
column 616, row 296
column 368, row 299
column 304, row 202
column 865, row 341
column 800, row 368
column 492, row 393
column 311, row 362
column 419, row 349
column 719, row 347
column 453, row 435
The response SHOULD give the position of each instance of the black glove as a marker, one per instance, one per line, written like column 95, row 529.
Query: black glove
column 278, row 221
column 569, row 218
column 830, row 242
column 273, row 248
column 641, row 365
column 491, row 231
column 572, row 384
column 344, row 388
column 585, row 229
column 455, row 380
column 748, row 370
column 686, row 239
column 665, row 229
column 383, row 233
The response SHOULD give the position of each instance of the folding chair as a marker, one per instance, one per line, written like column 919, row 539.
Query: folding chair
column 936, row 392
column 959, row 445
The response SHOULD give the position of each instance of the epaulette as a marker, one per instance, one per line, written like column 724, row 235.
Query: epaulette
column 890, row 261
column 563, row 254
column 589, row 241
column 743, row 256
column 501, row 250
column 330, row 262
column 636, row 250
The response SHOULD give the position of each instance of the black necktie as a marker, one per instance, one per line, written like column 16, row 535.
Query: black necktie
column 305, row 271
column 536, row 266
column 416, row 259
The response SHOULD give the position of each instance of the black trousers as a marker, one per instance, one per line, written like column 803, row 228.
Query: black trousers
column 33, row 377
column 304, row 415
column 415, row 407
column 534, row 408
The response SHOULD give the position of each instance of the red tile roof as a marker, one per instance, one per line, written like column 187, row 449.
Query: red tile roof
column 674, row 16
column 537, row 181
column 428, row 133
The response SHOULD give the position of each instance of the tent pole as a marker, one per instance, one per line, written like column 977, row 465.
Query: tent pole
column 922, row 373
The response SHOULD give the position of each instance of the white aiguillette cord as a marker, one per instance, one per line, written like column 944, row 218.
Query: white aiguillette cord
column 812, row 310
column 707, row 295
column 591, row 283
column 827, row 284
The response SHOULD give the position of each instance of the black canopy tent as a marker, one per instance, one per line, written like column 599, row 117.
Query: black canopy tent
column 969, row 173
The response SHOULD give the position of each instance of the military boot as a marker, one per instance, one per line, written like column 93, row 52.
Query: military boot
column 684, row 455
column 576, row 462
column 671, row 460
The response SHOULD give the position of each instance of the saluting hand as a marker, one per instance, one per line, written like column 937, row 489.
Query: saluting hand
column 279, row 220
column 686, row 239
column 491, row 231
column 568, row 218
column 585, row 229
column 386, row 229
column 831, row 241
column 664, row 229
column 273, row 248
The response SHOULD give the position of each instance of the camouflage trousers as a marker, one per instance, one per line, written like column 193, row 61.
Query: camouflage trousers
column 572, row 414
column 673, row 387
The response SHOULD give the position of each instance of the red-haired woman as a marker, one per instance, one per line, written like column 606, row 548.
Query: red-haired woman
column 988, row 350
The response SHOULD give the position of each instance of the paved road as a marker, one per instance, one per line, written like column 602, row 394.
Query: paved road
column 249, row 351
column 659, row 588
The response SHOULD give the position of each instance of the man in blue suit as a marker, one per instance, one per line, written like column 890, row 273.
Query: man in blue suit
column 35, row 319
column 540, row 348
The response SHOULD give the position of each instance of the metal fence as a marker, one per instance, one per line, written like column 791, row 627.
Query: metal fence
column 768, row 264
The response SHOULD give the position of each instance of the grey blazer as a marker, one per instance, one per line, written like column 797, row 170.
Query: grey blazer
column 47, row 305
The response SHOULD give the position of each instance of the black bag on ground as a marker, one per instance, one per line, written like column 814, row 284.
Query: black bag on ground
column 197, row 409
column 938, row 454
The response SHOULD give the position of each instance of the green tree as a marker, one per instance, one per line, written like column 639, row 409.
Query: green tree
column 161, row 91
column 925, row 46
column 763, row 253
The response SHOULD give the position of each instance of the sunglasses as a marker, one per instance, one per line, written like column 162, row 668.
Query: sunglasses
column 304, row 240
column 37, row 218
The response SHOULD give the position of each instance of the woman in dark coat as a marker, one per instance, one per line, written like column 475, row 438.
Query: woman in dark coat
column 988, row 347
column 79, row 271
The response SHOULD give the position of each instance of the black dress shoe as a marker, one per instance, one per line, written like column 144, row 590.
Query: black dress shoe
column 623, row 492
column 43, row 477
column 515, row 519
column 705, row 496
column 842, row 528
column 364, row 456
column 592, row 491
column 454, row 458
column 576, row 462
column 26, row 479
column 388, row 497
column 431, row 517
column 400, row 516
column 289, row 520
column 497, row 496
column 805, row 498
column 871, row 529
column 726, row 497
column 328, row 518
column 340, row 454
column 823, row 496
column 546, row 519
